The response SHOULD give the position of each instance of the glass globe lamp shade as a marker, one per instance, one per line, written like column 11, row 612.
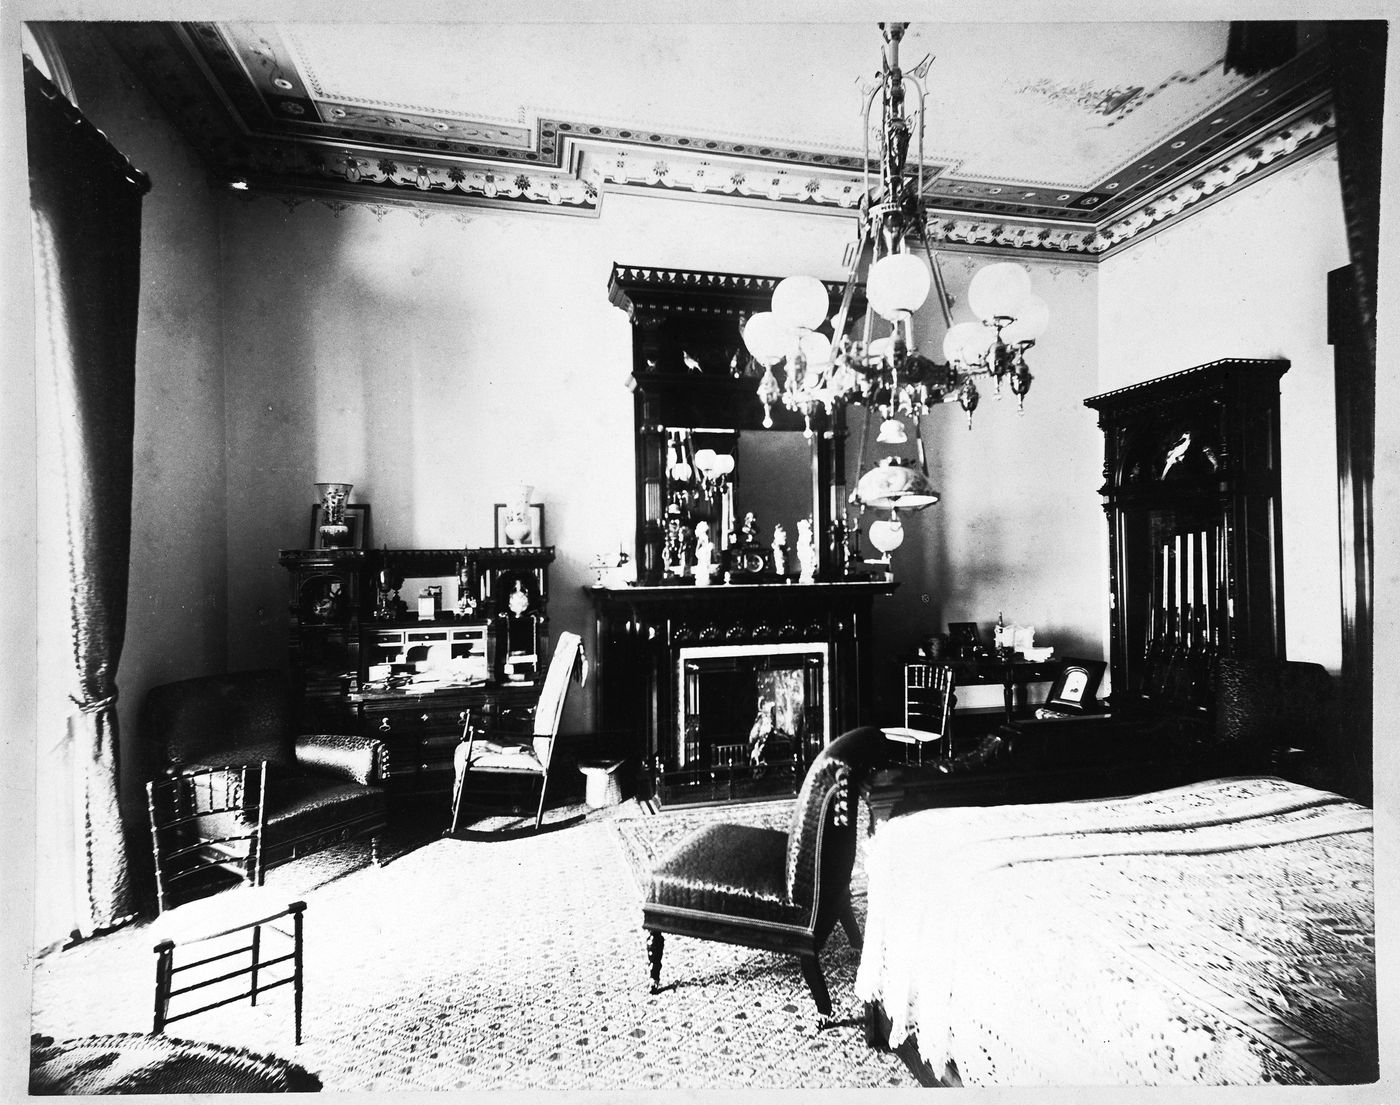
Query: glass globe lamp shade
column 815, row 347
column 895, row 483
column 881, row 347
column 765, row 338
column 967, row 342
column 998, row 291
column 801, row 301
column 887, row 534
column 713, row 465
column 1029, row 324
column 897, row 283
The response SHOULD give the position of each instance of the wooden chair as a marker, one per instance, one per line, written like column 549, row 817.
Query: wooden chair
column 769, row 889
column 323, row 788
column 503, row 755
column 935, row 707
column 226, row 967
column 203, row 825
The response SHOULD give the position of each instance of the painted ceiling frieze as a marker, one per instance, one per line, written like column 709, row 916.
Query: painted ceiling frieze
column 290, row 107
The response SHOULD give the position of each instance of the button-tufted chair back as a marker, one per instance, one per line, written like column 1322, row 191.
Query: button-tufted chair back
column 822, row 835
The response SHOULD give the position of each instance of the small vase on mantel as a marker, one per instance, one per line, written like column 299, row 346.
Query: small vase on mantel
column 518, row 527
column 334, row 530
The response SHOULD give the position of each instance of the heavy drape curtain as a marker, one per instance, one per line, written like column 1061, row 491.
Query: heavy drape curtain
column 85, row 203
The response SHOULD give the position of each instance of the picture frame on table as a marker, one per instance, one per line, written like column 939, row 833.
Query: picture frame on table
column 964, row 640
column 356, row 517
column 535, row 540
column 1076, row 686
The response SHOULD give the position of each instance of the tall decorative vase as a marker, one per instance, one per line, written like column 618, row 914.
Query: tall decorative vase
column 518, row 526
column 334, row 529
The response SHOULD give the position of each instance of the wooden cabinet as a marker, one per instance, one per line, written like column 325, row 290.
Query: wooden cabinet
column 328, row 610
column 1192, row 493
column 340, row 628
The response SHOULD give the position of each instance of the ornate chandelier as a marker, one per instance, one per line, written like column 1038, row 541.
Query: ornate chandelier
column 884, row 371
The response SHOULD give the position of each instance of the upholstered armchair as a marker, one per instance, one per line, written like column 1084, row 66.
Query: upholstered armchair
column 321, row 788
column 1277, row 716
column 766, row 888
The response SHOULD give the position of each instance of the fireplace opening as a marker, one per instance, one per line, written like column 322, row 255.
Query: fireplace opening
column 750, row 719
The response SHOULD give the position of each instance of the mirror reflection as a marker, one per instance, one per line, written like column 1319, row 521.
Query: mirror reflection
column 740, row 491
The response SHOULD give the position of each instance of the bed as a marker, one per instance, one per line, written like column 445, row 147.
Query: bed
column 1219, row 933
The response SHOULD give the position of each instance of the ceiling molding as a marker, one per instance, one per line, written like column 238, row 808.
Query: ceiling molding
column 256, row 112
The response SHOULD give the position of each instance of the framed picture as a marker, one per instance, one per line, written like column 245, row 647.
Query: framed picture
column 506, row 534
column 356, row 519
column 1074, row 688
column 963, row 640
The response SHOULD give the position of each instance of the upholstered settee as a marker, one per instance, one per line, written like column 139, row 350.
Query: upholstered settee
column 321, row 787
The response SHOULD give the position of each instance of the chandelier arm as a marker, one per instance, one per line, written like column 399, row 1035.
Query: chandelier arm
column 939, row 286
column 865, row 117
column 838, row 325
column 860, row 464
column 919, row 443
column 919, row 88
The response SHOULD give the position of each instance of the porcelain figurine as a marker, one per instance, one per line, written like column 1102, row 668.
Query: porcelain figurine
column 806, row 552
column 704, row 554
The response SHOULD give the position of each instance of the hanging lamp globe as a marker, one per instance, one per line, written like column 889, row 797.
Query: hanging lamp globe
column 764, row 336
column 887, row 534
column 998, row 291
column 800, row 302
column 897, row 284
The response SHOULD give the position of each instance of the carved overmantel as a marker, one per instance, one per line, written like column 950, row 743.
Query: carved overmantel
column 690, row 370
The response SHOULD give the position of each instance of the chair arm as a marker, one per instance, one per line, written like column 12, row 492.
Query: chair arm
column 351, row 757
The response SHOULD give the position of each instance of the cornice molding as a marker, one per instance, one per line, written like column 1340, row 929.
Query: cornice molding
column 259, row 123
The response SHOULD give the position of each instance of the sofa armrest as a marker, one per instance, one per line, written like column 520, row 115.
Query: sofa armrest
column 352, row 757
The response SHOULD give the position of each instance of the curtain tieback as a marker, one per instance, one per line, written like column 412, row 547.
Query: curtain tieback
column 97, row 705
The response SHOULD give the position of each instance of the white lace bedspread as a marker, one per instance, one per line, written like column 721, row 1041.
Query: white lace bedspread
column 1221, row 933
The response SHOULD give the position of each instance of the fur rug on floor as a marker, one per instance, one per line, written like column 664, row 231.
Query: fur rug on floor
column 508, row 961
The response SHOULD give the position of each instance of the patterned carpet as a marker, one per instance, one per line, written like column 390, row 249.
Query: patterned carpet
column 513, row 962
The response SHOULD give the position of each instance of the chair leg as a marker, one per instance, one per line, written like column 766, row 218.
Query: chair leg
column 816, row 982
column 539, row 814
column 851, row 925
column 456, row 807
column 656, row 944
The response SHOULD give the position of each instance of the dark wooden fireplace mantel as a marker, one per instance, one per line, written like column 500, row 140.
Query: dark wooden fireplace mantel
column 641, row 631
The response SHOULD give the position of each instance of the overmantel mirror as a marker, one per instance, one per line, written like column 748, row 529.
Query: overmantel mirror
column 708, row 469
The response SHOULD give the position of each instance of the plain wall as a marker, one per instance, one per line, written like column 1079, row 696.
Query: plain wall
column 436, row 357
column 1247, row 277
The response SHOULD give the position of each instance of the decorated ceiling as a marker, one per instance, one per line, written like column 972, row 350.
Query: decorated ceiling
column 1066, row 137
